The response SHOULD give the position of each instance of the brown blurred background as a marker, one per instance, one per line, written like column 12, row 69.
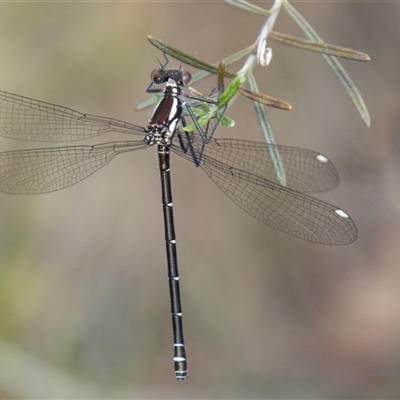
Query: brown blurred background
column 84, row 303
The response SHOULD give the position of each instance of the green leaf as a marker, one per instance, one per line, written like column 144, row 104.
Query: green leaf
column 231, row 91
column 214, row 110
column 227, row 122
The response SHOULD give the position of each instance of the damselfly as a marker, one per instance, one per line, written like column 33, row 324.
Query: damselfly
column 241, row 169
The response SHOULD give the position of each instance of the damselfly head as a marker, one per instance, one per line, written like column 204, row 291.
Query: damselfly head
column 161, row 75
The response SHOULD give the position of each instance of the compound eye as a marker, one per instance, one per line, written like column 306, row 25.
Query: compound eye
column 158, row 76
column 186, row 77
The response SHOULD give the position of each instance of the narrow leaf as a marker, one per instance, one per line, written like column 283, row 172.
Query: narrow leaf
column 144, row 104
column 268, row 135
column 336, row 67
column 266, row 100
column 186, row 58
column 320, row 47
column 245, row 5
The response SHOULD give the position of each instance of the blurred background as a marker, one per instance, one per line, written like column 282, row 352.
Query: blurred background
column 84, row 303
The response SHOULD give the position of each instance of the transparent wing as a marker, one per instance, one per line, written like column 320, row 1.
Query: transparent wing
column 306, row 170
column 37, row 171
column 23, row 118
column 284, row 209
column 244, row 172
